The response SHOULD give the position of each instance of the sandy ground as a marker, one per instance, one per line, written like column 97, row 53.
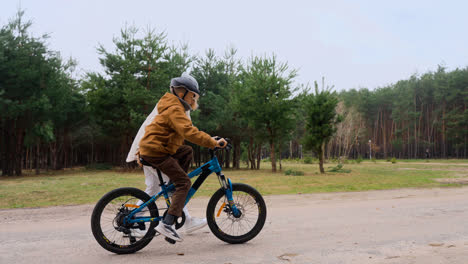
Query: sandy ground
column 395, row 226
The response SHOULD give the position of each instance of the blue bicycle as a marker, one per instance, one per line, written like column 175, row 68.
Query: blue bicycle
column 124, row 219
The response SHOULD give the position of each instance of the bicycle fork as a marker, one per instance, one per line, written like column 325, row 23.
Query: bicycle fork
column 227, row 186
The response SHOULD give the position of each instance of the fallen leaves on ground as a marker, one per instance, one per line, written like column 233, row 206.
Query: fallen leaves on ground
column 436, row 244
column 287, row 256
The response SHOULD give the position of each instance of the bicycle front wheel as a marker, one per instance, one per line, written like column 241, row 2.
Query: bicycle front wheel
column 235, row 230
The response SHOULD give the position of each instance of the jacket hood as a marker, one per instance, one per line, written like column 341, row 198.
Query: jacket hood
column 169, row 100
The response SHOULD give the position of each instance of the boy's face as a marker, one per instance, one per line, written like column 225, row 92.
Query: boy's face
column 191, row 98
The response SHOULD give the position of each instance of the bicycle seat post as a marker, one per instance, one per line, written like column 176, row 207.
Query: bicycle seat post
column 161, row 180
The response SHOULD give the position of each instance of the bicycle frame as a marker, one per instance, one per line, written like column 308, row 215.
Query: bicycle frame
column 204, row 171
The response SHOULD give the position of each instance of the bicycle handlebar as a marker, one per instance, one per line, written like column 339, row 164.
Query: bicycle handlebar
column 227, row 147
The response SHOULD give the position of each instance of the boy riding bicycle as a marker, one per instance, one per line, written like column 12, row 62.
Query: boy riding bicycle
column 162, row 145
column 152, row 180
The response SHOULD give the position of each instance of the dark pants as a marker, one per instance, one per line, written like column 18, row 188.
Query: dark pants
column 175, row 167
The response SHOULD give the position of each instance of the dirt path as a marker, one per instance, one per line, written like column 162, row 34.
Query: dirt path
column 396, row 226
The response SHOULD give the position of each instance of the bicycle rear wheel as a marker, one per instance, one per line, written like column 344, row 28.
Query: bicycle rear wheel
column 107, row 221
column 235, row 230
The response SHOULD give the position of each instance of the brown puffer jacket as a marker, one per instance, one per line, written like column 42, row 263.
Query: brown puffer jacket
column 169, row 129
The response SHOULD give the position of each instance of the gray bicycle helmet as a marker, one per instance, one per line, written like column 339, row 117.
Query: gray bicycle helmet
column 186, row 81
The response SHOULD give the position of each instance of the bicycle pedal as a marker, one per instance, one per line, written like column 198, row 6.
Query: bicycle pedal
column 172, row 241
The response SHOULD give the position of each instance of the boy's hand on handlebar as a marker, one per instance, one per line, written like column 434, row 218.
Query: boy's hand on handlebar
column 221, row 143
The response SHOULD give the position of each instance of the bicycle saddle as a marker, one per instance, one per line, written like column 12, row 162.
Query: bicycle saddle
column 144, row 162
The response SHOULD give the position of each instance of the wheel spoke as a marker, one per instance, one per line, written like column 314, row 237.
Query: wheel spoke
column 249, row 209
column 111, row 217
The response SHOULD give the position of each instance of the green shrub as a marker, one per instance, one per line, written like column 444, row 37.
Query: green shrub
column 359, row 159
column 393, row 160
column 291, row 160
column 338, row 168
column 99, row 166
column 308, row 160
column 293, row 172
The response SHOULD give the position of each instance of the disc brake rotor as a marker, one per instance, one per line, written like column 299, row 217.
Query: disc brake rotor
column 231, row 214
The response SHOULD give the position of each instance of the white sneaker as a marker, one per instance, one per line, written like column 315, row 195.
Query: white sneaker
column 168, row 231
column 194, row 224
column 138, row 233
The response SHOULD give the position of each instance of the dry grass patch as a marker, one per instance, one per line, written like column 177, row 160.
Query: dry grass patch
column 80, row 186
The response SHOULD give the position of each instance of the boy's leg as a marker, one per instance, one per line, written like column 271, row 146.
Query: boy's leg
column 178, row 176
column 153, row 188
column 184, row 156
column 175, row 167
column 152, row 184
column 151, row 181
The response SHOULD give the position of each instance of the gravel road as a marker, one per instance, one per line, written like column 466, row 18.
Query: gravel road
column 394, row 226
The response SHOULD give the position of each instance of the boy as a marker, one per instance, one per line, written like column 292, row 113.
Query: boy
column 161, row 146
column 152, row 180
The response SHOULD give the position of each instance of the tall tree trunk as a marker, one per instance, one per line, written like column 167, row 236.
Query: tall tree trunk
column 279, row 157
column 408, row 148
column 272, row 156
column 444, row 147
column 37, row 161
column 415, row 131
column 321, row 157
column 53, row 154
column 19, row 151
column 10, row 151
column 290, row 149
column 384, row 136
column 227, row 159
column 464, row 152
column 259, row 155
column 419, row 132
column 5, row 149
column 236, row 156
column 67, row 146
column 251, row 153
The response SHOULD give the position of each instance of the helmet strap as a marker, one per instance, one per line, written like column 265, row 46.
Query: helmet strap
column 175, row 93
column 184, row 103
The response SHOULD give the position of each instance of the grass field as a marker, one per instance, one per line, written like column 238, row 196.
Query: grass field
column 80, row 186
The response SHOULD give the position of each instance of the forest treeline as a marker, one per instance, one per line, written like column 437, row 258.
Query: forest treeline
column 51, row 119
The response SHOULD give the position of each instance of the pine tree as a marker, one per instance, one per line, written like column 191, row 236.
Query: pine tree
column 321, row 120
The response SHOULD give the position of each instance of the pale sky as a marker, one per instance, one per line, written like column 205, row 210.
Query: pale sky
column 351, row 43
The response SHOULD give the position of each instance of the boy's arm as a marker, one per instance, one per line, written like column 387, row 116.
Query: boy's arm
column 183, row 126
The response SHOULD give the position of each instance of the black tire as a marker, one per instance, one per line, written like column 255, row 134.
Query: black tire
column 249, row 201
column 105, row 231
